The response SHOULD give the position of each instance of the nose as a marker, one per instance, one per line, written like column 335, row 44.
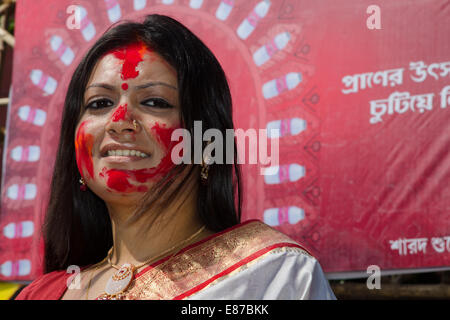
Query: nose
column 122, row 121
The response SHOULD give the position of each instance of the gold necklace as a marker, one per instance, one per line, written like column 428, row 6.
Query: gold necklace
column 92, row 275
column 120, row 281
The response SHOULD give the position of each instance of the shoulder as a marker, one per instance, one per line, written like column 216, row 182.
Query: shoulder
column 256, row 235
column 261, row 262
column 49, row 286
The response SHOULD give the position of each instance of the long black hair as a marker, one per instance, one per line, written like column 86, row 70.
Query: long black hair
column 77, row 227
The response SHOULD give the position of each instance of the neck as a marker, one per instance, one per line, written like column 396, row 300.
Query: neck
column 151, row 235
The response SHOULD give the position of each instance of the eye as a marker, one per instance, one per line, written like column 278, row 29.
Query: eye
column 157, row 103
column 99, row 104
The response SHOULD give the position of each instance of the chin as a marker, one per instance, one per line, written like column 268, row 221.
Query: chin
column 124, row 194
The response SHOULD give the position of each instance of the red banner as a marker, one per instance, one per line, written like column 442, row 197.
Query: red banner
column 359, row 92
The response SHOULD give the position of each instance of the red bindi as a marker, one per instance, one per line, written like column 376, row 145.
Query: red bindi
column 124, row 86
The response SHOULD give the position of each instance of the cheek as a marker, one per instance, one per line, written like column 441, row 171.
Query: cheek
column 119, row 180
column 163, row 134
column 83, row 150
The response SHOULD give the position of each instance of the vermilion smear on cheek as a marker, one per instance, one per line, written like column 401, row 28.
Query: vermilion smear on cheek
column 166, row 164
column 120, row 113
column 131, row 56
column 83, row 150
column 164, row 136
column 118, row 180
column 142, row 189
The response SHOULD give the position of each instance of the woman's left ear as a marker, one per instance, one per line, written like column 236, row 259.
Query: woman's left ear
column 83, row 186
column 206, row 162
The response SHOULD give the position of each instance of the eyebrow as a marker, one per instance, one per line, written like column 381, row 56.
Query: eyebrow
column 143, row 86
column 156, row 83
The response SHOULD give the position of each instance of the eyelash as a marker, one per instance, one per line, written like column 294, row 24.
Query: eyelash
column 90, row 104
column 157, row 103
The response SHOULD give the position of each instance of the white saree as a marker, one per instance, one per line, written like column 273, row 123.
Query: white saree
column 282, row 274
column 251, row 261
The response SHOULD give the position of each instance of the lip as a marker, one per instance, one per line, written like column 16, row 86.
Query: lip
column 123, row 159
column 114, row 146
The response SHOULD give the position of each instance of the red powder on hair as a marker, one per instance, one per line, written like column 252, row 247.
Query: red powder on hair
column 131, row 55
column 83, row 150
column 120, row 113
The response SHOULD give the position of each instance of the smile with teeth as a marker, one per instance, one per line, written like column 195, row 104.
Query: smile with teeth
column 126, row 153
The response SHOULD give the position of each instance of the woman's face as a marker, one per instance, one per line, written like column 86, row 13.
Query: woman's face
column 123, row 140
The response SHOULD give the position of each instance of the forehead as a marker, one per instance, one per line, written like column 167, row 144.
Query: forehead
column 134, row 63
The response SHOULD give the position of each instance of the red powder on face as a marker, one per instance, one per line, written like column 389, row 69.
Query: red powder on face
column 164, row 136
column 83, row 150
column 166, row 164
column 142, row 189
column 120, row 113
column 119, row 180
column 131, row 55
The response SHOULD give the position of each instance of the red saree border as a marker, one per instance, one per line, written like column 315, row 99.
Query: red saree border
column 53, row 285
column 191, row 246
column 204, row 262
column 236, row 266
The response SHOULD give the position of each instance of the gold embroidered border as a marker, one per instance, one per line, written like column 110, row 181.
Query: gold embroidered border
column 202, row 262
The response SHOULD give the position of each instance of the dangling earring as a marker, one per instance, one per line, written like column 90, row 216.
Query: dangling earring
column 83, row 186
column 204, row 173
column 205, row 169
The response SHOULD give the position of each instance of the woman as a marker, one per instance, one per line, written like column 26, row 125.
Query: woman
column 140, row 226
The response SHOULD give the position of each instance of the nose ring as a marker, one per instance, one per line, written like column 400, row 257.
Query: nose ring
column 135, row 124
